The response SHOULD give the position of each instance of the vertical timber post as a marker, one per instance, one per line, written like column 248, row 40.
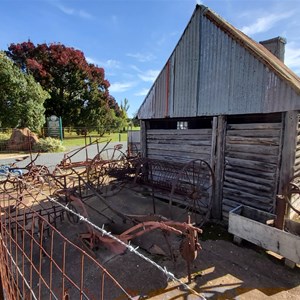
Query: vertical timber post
column 219, row 168
column 288, row 155
column 144, row 138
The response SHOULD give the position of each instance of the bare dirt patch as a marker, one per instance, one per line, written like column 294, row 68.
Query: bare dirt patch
column 222, row 269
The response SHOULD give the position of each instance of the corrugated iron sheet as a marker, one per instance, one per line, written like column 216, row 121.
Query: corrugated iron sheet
column 217, row 70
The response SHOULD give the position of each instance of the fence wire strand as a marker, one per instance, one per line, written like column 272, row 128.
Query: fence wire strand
column 168, row 274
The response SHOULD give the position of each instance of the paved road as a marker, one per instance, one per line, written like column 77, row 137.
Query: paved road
column 52, row 159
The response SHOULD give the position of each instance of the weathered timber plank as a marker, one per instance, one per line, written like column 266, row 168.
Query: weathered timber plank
column 252, row 140
column 297, row 153
column 266, row 150
column 225, row 216
column 175, row 154
column 255, row 157
column 248, row 203
column 246, row 171
column 270, row 238
column 214, row 138
column 256, row 126
column 230, row 203
column 180, row 132
column 219, row 168
column 263, row 207
column 297, row 160
column 204, row 137
column 250, row 178
column 249, row 190
column 179, row 142
column 237, row 195
column 247, row 185
column 296, row 170
column 254, row 133
column 288, row 148
column 192, row 154
column 169, row 158
column 255, row 165
column 144, row 138
column 180, row 148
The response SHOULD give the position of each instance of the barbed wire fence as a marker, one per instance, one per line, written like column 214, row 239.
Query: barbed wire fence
column 169, row 275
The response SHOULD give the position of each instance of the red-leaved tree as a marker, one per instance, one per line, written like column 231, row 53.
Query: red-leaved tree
column 78, row 90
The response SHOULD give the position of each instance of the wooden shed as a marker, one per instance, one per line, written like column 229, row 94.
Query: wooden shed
column 228, row 100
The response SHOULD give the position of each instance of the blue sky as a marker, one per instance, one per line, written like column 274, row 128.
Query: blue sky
column 132, row 39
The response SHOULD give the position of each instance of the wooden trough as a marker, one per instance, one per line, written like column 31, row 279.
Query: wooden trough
column 252, row 225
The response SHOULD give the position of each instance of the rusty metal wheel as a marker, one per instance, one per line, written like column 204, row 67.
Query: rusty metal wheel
column 109, row 154
column 291, row 191
column 195, row 187
column 108, row 178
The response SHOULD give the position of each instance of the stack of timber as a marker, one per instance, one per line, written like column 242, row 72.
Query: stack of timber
column 252, row 158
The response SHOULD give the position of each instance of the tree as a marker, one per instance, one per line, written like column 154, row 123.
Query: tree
column 124, row 115
column 78, row 90
column 21, row 97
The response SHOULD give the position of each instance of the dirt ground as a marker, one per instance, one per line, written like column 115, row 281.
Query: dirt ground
column 222, row 269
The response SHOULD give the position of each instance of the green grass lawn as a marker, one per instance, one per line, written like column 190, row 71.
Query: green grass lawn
column 74, row 140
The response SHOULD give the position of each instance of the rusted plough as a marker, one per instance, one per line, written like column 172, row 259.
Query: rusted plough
column 139, row 225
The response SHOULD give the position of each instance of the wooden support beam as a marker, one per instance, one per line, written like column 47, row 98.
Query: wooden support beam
column 219, row 167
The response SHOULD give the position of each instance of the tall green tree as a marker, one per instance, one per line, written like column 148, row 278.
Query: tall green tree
column 21, row 97
column 78, row 90
column 125, row 121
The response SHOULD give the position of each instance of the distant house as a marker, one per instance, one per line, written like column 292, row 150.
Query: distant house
column 229, row 100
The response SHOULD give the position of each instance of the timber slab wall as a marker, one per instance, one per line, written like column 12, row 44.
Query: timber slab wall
column 252, row 158
column 179, row 145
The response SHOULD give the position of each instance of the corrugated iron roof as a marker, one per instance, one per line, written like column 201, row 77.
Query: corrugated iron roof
column 197, row 74
column 263, row 54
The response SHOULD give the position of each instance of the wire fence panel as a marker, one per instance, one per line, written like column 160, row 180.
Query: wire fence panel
column 39, row 262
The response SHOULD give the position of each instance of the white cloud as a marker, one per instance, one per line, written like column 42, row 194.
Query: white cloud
column 90, row 60
column 108, row 64
column 142, row 57
column 119, row 87
column 199, row 2
column 292, row 57
column 142, row 92
column 114, row 20
column 84, row 14
column 149, row 76
column 265, row 23
column 66, row 10
column 73, row 12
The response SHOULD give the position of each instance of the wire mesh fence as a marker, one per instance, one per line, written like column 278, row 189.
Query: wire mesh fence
column 38, row 262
